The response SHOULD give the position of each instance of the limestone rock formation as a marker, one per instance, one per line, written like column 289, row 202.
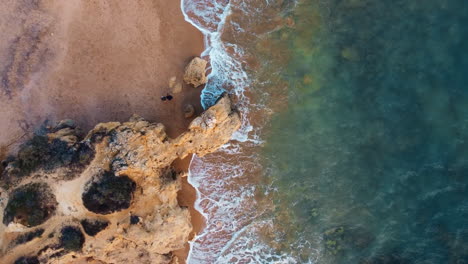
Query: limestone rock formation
column 195, row 72
column 107, row 197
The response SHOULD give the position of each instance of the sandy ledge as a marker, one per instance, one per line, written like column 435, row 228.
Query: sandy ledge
column 94, row 61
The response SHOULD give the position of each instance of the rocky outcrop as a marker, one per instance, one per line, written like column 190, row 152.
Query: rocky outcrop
column 195, row 72
column 107, row 197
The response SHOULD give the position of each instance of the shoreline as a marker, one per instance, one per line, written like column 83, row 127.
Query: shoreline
column 186, row 198
column 98, row 62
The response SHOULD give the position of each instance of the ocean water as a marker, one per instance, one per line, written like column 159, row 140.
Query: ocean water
column 354, row 141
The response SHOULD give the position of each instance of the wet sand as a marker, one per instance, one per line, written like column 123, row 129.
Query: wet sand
column 94, row 61
column 187, row 196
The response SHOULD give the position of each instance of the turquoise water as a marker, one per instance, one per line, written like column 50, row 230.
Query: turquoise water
column 354, row 138
column 369, row 159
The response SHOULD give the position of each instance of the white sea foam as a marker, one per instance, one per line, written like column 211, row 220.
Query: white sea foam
column 225, row 195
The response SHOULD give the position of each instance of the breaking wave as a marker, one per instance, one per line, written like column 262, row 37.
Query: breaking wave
column 226, row 180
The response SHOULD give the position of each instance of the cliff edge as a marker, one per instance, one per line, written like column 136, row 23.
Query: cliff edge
column 106, row 197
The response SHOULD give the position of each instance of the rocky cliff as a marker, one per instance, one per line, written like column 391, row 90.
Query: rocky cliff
column 106, row 197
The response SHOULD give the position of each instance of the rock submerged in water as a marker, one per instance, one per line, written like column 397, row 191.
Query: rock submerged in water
column 195, row 72
column 88, row 218
column 333, row 239
column 339, row 241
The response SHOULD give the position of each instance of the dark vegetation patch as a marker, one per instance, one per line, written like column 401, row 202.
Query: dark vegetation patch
column 108, row 193
column 24, row 238
column 71, row 238
column 30, row 205
column 27, row 260
column 92, row 227
column 41, row 153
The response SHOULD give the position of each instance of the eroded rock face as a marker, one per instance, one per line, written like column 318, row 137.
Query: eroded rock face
column 107, row 197
column 195, row 72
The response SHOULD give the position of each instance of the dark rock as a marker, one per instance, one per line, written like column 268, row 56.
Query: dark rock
column 168, row 176
column 93, row 227
column 134, row 219
column 30, row 205
column 27, row 260
column 39, row 153
column 24, row 238
column 71, row 238
column 109, row 193
column 32, row 154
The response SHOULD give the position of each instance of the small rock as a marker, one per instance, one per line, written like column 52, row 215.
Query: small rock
column 195, row 72
column 172, row 81
column 177, row 88
column 189, row 111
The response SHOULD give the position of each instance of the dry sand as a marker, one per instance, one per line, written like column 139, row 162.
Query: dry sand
column 94, row 61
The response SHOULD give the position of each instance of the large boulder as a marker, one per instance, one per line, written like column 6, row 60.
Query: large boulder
column 195, row 72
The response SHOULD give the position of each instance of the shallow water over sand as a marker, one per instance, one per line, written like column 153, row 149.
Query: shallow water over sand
column 358, row 148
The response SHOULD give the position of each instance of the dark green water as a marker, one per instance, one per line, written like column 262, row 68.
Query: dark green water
column 370, row 159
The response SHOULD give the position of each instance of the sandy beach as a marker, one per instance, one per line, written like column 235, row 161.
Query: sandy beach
column 94, row 61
